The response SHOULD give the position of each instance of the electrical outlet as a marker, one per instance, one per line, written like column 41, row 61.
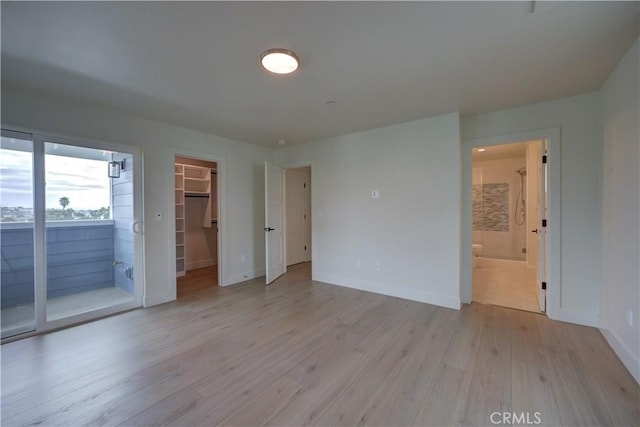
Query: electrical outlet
column 376, row 266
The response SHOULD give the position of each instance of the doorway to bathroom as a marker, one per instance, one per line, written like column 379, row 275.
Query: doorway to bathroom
column 509, row 237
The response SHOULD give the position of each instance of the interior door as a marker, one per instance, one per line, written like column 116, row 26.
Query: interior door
column 542, row 203
column 274, row 220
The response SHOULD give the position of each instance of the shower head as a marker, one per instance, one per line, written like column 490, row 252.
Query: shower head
column 522, row 171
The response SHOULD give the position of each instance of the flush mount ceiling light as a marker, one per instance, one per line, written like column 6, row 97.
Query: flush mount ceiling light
column 279, row 61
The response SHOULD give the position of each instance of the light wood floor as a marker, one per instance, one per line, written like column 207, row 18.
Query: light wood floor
column 299, row 352
column 505, row 283
column 197, row 280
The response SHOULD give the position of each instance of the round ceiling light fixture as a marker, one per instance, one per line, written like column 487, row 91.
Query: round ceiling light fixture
column 279, row 61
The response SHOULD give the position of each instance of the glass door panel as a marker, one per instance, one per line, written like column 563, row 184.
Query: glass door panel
column 88, row 230
column 17, row 281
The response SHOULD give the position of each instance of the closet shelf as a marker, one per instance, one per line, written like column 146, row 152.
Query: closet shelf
column 203, row 195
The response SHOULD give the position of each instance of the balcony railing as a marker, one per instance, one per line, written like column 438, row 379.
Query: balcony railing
column 80, row 257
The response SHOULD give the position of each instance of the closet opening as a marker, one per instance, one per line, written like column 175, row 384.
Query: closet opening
column 196, row 216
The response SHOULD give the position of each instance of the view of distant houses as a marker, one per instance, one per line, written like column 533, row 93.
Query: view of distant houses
column 21, row 214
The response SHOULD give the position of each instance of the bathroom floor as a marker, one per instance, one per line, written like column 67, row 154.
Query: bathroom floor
column 505, row 283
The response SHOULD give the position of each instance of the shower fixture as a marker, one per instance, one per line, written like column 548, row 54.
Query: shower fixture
column 521, row 215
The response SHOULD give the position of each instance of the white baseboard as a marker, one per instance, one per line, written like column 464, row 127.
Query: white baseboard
column 629, row 360
column 579, row 317
column 156, row 299
column 242, row 277
column 200, row 264
column 393, row 291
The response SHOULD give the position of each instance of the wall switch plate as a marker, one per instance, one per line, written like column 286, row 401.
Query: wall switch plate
column 376, row 266
column 630, row 318
column 375, row 194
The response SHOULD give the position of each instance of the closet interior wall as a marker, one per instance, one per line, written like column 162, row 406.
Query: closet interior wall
column 196, row 214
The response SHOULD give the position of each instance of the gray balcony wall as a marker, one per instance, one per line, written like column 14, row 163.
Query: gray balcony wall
column 122, row 207
column 80, row 257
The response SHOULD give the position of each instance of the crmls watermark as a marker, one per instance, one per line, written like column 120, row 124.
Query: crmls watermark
column 515, row 418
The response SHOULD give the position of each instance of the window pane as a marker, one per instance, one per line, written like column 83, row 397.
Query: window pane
column 16, row 236
column 89, row 243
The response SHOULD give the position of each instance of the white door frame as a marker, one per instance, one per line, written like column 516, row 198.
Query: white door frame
column 38, row 138
column 221, row 194
column 554, row 232
column 541, row 231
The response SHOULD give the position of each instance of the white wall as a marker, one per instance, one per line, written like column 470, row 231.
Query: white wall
column 412, row 229
column 243, row 180
column 620, row 293
column 579, row 119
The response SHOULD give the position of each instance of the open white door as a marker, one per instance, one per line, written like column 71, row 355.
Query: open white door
column 274, row 217
column 542, row 202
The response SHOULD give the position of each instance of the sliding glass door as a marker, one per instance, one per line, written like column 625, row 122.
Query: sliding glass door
column 89, row 236
column 17, row 293
column 81, row 238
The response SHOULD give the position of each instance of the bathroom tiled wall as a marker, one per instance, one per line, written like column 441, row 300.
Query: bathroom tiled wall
column 491, row 207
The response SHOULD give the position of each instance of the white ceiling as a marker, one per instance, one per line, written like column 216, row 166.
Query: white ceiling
column 196, row 64
column 503, row 151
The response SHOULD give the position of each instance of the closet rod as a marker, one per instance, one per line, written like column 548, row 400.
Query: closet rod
column 204, row 196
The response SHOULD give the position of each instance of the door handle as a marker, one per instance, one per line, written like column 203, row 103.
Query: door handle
column 267, row 229
column 535, row 231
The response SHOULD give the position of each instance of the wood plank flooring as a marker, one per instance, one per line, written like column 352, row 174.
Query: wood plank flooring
column 306, row 353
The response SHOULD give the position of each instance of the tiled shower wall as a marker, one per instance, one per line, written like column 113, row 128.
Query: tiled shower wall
column 491, row 207
column 496, row 187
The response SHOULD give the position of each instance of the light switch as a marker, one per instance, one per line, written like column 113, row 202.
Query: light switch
column 158, row 216
column 375, row 194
